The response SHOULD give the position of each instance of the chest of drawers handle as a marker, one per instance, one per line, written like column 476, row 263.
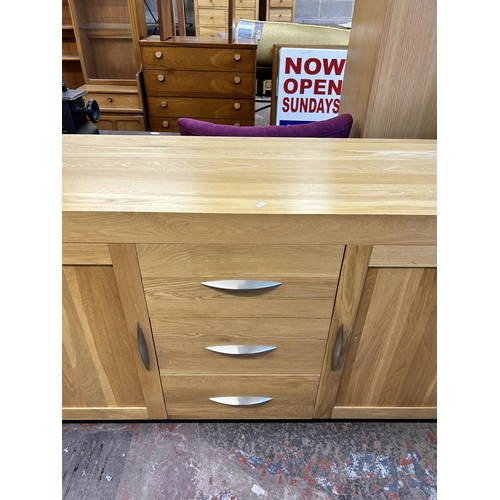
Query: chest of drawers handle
column 158, row 55
column 237, row 80
column 165, row 124
column 240, row 400
column 237, row 105
column 241, row 350
column 241, row 284
column 163, row 104
column 161, row 78
column 237, row 57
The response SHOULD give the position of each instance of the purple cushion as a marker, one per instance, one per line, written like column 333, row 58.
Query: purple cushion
column 338, row 126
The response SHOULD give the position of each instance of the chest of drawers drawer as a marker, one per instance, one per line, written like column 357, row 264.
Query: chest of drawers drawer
column 199, row 58
column 199, row 82
column 205, row 280
column 188, row 346
column 266, row 396
column 169, row 123
column 233, row 109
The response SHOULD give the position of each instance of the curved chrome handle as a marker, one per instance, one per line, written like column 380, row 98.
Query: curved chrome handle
column 240, row 400
column 337, row 348
column 240, row 284
column 241, row 349
column 143, row 346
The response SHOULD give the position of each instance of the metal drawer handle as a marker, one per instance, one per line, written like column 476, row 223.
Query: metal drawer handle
column 240, row 400
column 241, row 350
column 240, row 284
column 337, row 348
column 143, row 347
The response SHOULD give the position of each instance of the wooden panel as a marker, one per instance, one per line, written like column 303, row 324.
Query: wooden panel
column 128, row 278
column 114, row 101
column 359, row 181
column 377, row 412
column 193, row 107
column 182, row 346
column 123, row 413
column 187, row 397
column 85, row 253
column 199, row 82
column 199, row 58
column 352, row 278
column 403, row 256
column 390, row 83
column 98, row 363
column 392, row 362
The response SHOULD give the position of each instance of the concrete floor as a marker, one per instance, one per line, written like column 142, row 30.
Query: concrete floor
column 249, row 461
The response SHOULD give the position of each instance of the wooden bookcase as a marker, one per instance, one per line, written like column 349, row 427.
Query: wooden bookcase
column 71, row 66
column 107, row 35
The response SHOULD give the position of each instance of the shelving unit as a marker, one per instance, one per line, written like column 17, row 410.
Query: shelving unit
column 107, row 35
column 71, row 66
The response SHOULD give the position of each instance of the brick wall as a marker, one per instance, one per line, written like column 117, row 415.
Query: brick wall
column 324, row 12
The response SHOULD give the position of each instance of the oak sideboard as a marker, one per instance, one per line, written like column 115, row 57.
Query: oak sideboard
column 248, row 278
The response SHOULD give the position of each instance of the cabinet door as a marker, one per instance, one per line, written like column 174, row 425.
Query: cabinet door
column 104, row 373
column 390, row 369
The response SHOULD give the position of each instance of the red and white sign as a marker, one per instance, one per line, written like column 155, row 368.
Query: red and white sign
column 309, row 84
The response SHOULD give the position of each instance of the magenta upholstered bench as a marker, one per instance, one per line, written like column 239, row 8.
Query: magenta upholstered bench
column 337, row 127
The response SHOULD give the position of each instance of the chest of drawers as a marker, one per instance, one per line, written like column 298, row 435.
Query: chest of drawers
column 206, row 300
column 198, row 78
column 212, row 15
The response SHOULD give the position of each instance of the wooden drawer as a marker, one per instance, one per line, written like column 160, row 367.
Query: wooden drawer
column 244, row 14
column 281, row 3
column 212, row 17
column 212, row 3
column 187, row 397
column 123, row 122
column 280, row 15
column 115, row 102
column 212, row 31
column 241, row 59
column 173, row 276
column 169, row 123
column 199, row 82
column 226, row 261
column 181, row 345
column 193, row 107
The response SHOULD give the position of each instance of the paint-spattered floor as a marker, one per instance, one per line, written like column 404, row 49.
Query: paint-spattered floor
column 249, row 461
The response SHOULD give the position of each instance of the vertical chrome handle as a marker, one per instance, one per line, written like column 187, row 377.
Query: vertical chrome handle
column 143, row 346
column 337, row 348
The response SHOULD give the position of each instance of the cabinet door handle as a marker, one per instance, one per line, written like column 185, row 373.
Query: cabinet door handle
column 337, row 348
column 143, row 346
column 240, row 400
column 240, row 284
column 241, row 350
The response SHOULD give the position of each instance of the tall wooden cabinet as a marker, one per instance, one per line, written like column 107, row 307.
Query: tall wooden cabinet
column 280, row 11
column 390, row 79
column 212, row 16
column 107, row 36
column 270, row 282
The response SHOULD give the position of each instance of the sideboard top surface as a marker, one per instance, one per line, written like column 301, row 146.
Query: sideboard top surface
column 231, row 175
